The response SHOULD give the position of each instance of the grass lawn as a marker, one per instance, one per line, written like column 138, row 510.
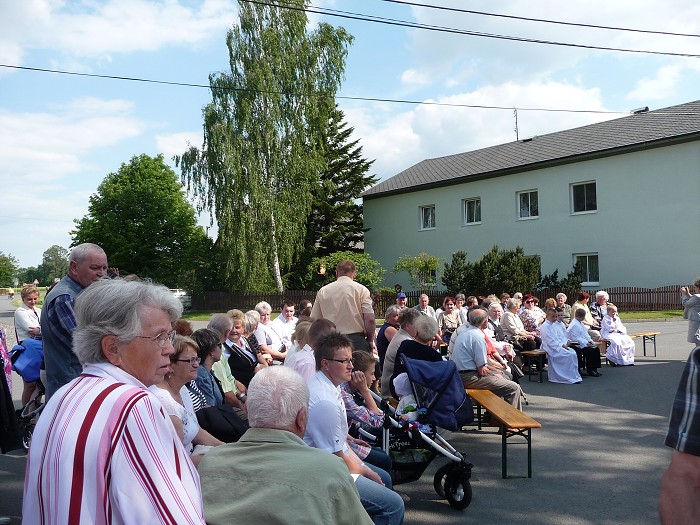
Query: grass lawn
column 663, row 314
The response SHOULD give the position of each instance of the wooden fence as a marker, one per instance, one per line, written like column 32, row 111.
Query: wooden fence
column 626, row 298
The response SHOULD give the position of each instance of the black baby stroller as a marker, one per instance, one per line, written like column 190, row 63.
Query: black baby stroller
column 440, row 402
column 26, row 361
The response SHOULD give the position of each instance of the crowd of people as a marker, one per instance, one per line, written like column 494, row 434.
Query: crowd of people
column 177, row 424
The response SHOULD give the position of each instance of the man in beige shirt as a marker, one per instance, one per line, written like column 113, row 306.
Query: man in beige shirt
column 349, row 305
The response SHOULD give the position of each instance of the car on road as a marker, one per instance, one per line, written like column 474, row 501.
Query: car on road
column 185, row 297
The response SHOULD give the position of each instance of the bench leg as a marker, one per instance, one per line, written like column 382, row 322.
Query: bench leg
column 646, row 338
column 529, row 453
column 504, row 451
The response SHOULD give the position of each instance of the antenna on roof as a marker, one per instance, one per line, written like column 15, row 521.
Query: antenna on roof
column 515, row 114
column 640, row 110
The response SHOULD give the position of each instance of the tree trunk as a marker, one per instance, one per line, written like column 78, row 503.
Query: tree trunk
column 275, row 257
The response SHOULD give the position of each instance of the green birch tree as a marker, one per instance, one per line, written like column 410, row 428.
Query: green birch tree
column 262, row 151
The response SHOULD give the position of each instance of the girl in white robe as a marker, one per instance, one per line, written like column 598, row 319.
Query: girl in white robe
column 621, row 349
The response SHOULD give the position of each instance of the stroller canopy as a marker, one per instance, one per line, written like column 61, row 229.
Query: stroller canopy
column 438, row 388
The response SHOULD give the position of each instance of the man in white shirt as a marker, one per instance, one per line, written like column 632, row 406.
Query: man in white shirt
column 285, row 323
column 327, row 428
column 586, row 349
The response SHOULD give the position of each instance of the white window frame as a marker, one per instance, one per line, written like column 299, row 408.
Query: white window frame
column 589, row 254
column 422, row 217
column 571, row 196
column 465, row 214
column 517, row 205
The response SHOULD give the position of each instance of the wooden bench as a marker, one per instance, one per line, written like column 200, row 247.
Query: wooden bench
column 512, row 422
column 646, row 336
column 534, row 355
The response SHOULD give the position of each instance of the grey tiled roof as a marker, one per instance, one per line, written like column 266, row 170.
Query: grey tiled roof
column 633, row 132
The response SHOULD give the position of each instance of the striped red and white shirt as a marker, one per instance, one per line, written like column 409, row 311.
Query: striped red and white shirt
column 105, row 452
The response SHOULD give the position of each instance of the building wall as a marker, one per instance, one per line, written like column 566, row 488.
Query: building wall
column 646, row 230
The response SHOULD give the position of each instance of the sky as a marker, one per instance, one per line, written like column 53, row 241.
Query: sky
column 60, row 135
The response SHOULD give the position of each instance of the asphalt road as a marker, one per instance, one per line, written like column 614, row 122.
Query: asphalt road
column 598, row 459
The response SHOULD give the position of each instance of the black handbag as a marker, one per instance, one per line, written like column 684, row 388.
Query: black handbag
column 222, row 422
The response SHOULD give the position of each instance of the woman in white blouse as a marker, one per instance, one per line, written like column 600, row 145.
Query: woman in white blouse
column 27, row 326
column 176, row 401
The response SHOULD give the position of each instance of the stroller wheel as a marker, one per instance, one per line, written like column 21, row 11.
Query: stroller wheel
column 27, row 437
column 439, row 479
column 458, row 490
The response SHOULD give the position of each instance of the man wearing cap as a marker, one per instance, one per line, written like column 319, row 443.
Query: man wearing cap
column 401, row 300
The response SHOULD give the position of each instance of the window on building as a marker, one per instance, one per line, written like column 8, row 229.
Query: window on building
column 527, row 205
column 583, row 197
column 427, row 217
column 589, row 267
column 472, row 210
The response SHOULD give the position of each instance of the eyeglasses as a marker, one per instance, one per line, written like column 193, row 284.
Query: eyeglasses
column 162, row 338
column 344, row 361
column 529, row 302
column 191, row 360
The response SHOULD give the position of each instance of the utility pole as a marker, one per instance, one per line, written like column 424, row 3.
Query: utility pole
column 515, row 114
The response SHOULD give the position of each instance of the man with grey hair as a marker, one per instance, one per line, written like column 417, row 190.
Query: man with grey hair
column 87, row 263
column 104, row 450
column 310, row 485
column 469, row 354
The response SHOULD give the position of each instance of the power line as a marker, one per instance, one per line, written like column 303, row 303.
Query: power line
column 444, row 29
column 343, row 97
column 543, row 20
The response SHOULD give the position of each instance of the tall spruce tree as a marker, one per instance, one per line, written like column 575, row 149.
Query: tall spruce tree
column 335, row 223
column 262, row 151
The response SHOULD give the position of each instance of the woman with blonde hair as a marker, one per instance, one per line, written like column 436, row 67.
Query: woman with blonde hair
column 27, row 319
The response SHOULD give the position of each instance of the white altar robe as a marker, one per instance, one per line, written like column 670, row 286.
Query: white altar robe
column 621, row 349
column 563, row 363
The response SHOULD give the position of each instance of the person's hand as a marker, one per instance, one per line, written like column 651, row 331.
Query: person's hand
column 373, row 347
column 371, row 474
column 361, row 442
column 358, row 380
column 684, row 290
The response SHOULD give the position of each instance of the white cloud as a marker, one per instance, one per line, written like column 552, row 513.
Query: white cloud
column 176, row 143
column 447, row 57
column 47, row 173
column 46, row 146
column 411, row 76
column 664, row 83
column 428, row 131
column 96, row 29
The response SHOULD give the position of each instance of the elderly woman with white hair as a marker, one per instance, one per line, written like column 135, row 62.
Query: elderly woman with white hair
column 565, row 308
column 418, row 348
column 269, row 341
column 104, row 450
